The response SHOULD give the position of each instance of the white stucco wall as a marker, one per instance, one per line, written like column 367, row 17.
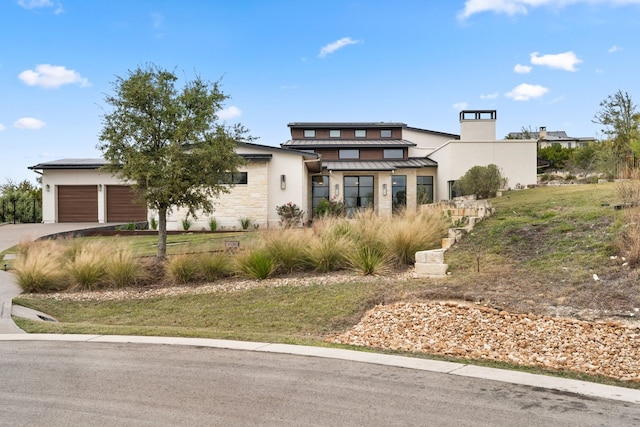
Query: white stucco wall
column 52, row 178
column 516, row 159
column 426, row 141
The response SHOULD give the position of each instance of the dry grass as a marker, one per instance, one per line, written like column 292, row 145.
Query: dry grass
column 37, row 267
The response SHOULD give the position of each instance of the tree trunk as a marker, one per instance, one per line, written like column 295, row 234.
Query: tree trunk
column 162, row 233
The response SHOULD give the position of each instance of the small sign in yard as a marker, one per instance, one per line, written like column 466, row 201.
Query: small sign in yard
column 231, row 245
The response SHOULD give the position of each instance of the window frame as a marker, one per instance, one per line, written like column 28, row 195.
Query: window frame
column 387, row 151
column 347, row 153
column 363, row 133
column 332, row 133
column 383, row 133
column 309, row 133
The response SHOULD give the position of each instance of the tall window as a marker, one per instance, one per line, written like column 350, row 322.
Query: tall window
column 425, row 190
column 309, row 133
column 319, row 190
column 358, row 193
column 349, row 154
column 398, row 192
column 334, row 133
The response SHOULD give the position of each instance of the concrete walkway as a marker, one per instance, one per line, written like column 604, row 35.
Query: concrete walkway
column 10, row 235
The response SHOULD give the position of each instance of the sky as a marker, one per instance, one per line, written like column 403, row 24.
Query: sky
column 537, row 62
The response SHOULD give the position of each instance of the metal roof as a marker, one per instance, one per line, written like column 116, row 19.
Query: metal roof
column 377, row 165
column 338, row 143
column 71, row 164
column 325, row 125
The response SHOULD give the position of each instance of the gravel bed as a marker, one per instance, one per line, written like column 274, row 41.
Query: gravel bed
column 465, row 330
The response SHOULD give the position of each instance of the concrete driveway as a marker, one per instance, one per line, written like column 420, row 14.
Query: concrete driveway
column 11, row 235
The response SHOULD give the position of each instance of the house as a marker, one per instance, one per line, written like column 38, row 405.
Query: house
column 384, row 166
column 550, row 138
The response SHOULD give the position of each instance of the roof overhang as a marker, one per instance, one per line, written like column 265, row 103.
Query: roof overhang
column 378, row 165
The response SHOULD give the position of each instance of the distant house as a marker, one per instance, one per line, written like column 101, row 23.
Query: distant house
column 382, row 166
column 550, row 138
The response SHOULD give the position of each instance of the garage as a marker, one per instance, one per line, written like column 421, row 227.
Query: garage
column 77, row 203
column 122, row 205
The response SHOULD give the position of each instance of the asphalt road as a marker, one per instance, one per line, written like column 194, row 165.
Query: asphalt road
column 112, row 384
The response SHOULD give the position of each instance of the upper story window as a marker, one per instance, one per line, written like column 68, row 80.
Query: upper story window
column 349, row 154
column 393, row 153
column 334, row 133
column 360, row 133
column 385, row 133
column 309, row 133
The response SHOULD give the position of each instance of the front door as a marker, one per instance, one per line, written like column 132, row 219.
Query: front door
column 358, row 193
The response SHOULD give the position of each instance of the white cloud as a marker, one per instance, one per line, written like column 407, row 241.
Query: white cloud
column 525, row 92
column 460, row 106
column 339, row 44
column 614, row 48
column 522, row 7
column 35, row 4
column 52, row 76
column 2, row 127
column 28, row 123
column 493, row 95
column 230, row 113
column 522, row 69
column 565, row 61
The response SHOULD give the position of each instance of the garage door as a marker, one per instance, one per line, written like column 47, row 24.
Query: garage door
column 77, row 203
column 122, row 205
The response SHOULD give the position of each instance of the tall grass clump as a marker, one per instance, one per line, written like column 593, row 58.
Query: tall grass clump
column 328, row 252
column 628, row 241
column 182, row 268
column 368, row 254
column 413, row 231
column 369, row 260
column 257, row 263
column 37, row 267
column 121, row 268
column 86, row 268
column 214, row 266
column 287, row 247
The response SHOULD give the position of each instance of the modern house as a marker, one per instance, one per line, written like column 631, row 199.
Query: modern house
column 550, row 138
column 379, row 165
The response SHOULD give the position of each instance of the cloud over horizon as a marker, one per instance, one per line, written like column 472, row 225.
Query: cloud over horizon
column 35, row 4
column 338, row 44
column 522, row 69
column 564, row 61
column 52, row 76
column 525, row 92
column 522, row 7
column 28, row 123
column 230, row 113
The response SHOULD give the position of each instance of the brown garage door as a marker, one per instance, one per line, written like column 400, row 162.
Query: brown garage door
column 122, row 205
column 78, row 203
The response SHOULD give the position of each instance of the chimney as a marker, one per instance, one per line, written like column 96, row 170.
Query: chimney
column 478, row 125
column 542, row 133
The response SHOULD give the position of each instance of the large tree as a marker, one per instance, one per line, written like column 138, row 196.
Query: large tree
column 621, row 121
column 168, row 143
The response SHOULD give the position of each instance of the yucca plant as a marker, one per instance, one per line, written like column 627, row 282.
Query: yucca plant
column 257, row 263
column 370, row 260
column 213, row 266
column 182, row 269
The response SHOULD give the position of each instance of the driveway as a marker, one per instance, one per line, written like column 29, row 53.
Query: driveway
column 11, row 235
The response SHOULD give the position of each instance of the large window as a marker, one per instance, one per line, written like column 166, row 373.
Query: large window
column 358, row 193
column 349, row 154
column 334, row 133
column 425, row 190
column 235, row 178
column 309, row 133
column 399, row 192
column 393, row 153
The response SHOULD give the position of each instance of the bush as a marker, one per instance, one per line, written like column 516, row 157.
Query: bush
column 182, row 269
column 411, row 232
column 245, row 223
column 186, row 223
column 628, row 242
column 213, row 224
column 483, row 181
column 257, row 263
column 369, row 260
column 287, row 248
column 153, row 223
column 330, row 208
column 328, row 252
column 214, row 266
column 290, row 215
column 37, row 267
column 86, row 269
column 629, row 189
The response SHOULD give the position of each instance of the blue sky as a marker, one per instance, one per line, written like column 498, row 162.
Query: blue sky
column 537, row 62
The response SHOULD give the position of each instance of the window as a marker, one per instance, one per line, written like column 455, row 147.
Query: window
column 360, row 133
column 349, row 154
column 393, row 153
column 309, row 133
column 334, row 133
column 385, row 133
column 425, row 190
column 319, row 190
column 399, row 192
column 235, row 178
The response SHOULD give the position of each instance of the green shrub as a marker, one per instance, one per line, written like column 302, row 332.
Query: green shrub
column 483, row 181
column 331, row 208
column 182, row 269
column 245, row 223
column 290, row 215
column 153, row 223
column 257, row 263
column 288, row 248
column 213, row 224
column 328, row 252
column 369, row 260
column 214, row 266
column 186, row 223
